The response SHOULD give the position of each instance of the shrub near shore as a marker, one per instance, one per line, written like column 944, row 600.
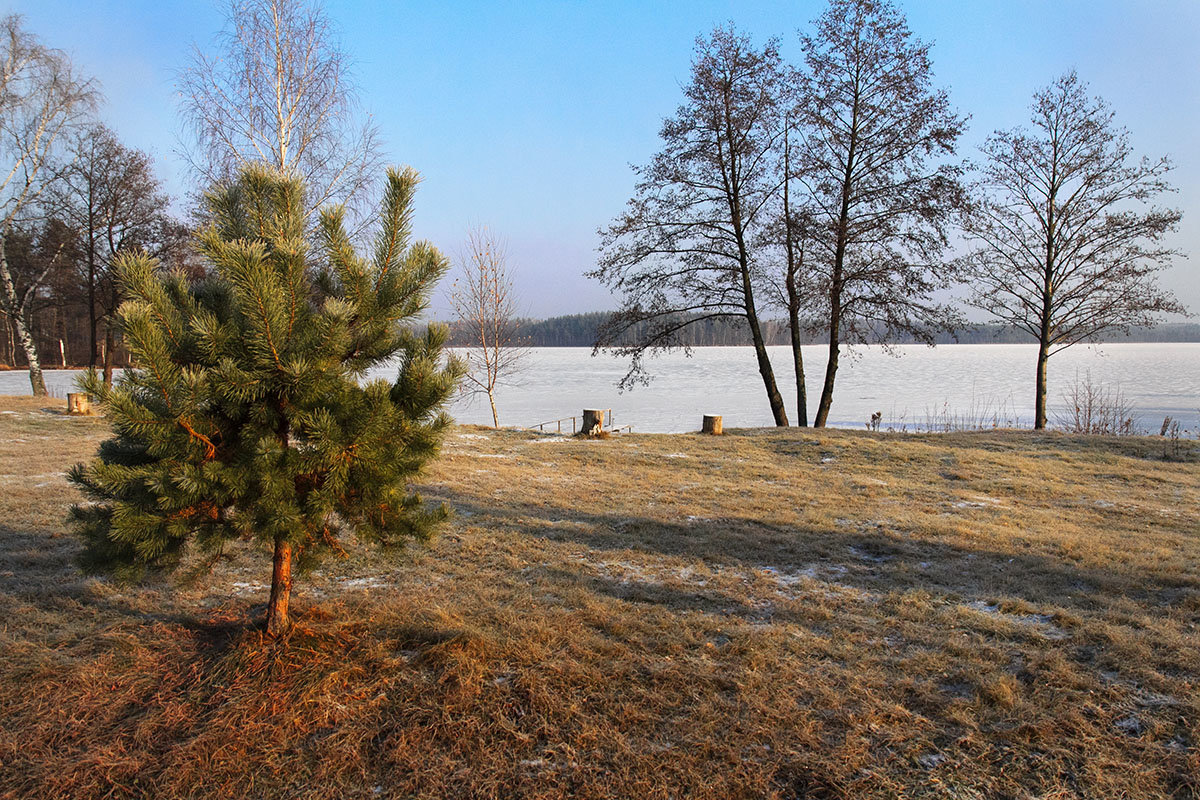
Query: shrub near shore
column 767, row 614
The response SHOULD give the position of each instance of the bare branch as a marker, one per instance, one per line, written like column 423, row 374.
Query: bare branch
column 877, row 194
column 689, row 239
column 278, row 90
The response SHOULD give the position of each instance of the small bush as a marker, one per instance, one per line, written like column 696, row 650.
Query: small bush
column 1093, row 408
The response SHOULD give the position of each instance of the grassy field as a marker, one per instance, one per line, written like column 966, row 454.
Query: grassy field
column 778, row 614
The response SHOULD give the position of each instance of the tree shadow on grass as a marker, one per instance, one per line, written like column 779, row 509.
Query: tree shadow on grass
column 39, row 576
column 878, row 561
column 35, row 564
column 38, row 570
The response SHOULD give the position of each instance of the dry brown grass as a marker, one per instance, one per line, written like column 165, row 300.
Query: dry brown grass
column 766, row 614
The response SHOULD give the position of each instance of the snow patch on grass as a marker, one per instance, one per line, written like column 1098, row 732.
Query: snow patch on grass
column 1043, row 622
column 978, row 501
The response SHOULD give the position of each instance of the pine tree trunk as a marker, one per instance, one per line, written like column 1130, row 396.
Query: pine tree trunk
column 278, row 620
column 108, row 353
column 1039, row 421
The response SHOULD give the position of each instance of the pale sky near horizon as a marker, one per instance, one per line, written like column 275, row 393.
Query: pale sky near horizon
column 526, row 116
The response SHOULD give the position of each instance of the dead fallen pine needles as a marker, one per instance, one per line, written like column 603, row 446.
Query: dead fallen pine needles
column 775, row 614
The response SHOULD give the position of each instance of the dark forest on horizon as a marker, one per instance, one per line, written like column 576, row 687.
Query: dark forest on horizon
column 580, row 330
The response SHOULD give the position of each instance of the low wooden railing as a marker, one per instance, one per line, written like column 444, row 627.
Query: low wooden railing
column 541, row 426
column 557, row 423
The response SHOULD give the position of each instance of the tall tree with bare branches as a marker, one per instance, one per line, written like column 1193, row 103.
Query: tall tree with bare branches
column 42, row 97
column 486, row 305
column 111, row 196
column 277, row 89
column 684, row 252
column 875, row 138
column 1065, row 246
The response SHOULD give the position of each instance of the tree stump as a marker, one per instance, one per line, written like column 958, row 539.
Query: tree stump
column 712, row 424
column 593, row 422
column 79, row 403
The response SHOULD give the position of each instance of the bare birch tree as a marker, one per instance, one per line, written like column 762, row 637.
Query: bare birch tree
column 278, row 90
column 1063, row 251
column 487, row 309
column 42, row 97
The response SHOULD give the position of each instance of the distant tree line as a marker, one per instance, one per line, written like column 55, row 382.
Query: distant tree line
column 582, row 330
column 74, row 200
column 105, row 202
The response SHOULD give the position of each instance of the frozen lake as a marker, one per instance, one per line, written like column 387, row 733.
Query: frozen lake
column 962, row 379
column 916, row 383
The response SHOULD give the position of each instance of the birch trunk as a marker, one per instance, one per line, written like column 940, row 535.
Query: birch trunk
column 16, row 311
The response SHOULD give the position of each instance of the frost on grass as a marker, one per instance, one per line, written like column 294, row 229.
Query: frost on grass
column 366, row 582
column 1044, row 623
column 815, row 580
column 978, row 501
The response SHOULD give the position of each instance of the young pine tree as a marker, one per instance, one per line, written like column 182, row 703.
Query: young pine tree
column 245, row 418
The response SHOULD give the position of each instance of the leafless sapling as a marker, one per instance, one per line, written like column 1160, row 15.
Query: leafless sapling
column 486, row 305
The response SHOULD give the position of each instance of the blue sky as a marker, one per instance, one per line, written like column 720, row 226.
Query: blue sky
column 525, row 116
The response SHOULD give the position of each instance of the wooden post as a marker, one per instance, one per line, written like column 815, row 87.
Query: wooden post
column 712, row 424
column 79, row 403
column 593, row 421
